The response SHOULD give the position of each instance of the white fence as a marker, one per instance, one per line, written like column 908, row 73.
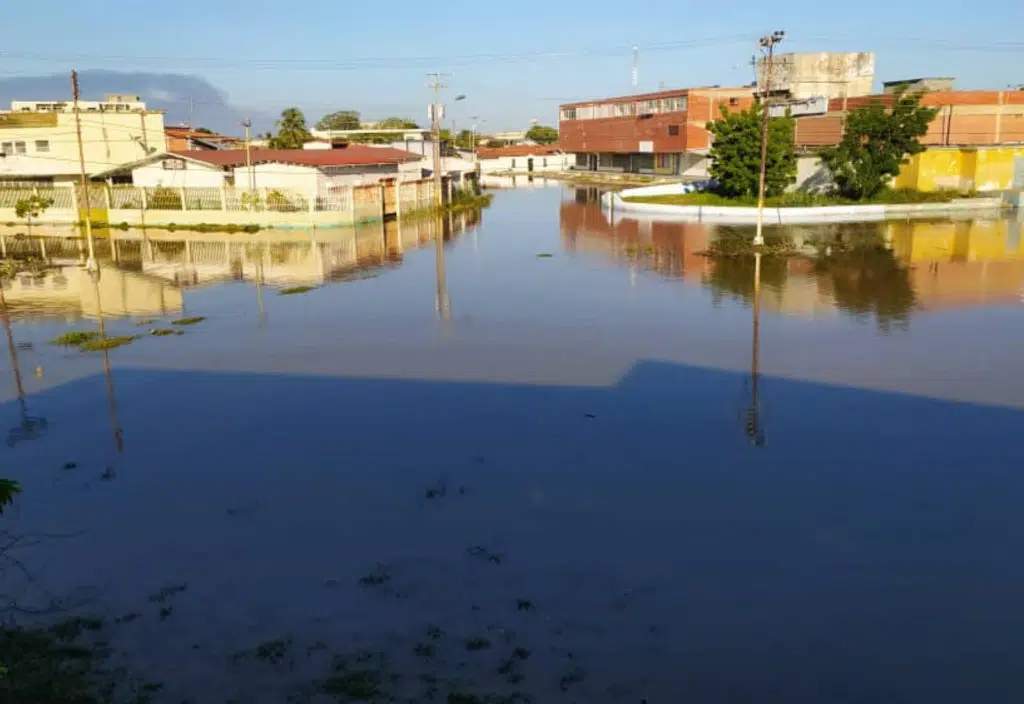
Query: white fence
column 183, row 206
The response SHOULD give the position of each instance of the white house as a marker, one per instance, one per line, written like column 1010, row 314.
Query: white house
column 305, row 170
column 525, row 158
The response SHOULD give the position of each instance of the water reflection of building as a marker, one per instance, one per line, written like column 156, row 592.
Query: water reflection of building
column 962, row 263
column 670, row 249
column 909, row 264
column 153, row 265
column 67, row 291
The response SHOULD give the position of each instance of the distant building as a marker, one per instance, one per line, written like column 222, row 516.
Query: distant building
column 304, row 170
column 819, row 74
column 919, row 85
column 38, row 142
column 513, row 137
column 528, row 158
column 651, row 133
column 182, row 138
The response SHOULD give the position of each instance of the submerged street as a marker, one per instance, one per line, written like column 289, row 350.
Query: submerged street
column 600, row 478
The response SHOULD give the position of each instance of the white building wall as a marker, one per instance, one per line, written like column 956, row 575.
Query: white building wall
column 192, row 176
column 303, row 179
column 108, row 140
column 541, row 162
column 358, row 176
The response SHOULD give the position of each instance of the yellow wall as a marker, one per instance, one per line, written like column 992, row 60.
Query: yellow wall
column 981, row 169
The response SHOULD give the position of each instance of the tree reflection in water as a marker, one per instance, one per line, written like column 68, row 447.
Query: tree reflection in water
column 851, row 263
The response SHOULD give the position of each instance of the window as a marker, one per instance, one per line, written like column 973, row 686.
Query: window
column 734, row 101
column 569, row 114
column 677, row 104
column 663, row 161
column 7, row 148
column 513, row 164
column 625, row 109
column 42, row 145
column 673, row 130
column 545, row 161
column 19, row 148
column 173, row 165
column 650, row 107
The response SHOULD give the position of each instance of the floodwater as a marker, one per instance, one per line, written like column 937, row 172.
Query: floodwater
column 624, row 472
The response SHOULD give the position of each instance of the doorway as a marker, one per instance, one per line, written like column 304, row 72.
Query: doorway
column 529, row 164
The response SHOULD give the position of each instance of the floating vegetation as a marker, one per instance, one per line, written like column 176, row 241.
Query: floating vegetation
column 70, row 465
column 358, row 684
column 478, row 643
column 525, row 605
column 109, row 475
column 575, row 675
column 167, row 593
column 425, row 650
column 434, row 632
column 145, row 322
column 545, row 255
column 294, row 290
column 483, row 553
column 76, row 338
column 165, row 613
column 437, row 491
column 73, row 628
column 165, row 332
column 273, row 652
column 380, row 576
column 189, row 321
column 107, row 343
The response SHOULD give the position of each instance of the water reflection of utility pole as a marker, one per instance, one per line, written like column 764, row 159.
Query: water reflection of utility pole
column 29, row 427
column 111, row 396
column 259, row 289
column 442, row 230
column 753, row 416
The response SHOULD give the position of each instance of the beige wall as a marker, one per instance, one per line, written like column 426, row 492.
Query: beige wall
column 806, row 75
column 192, row 176
column 109, row 139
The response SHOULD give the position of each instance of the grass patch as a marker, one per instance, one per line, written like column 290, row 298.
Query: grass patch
column 294, row 290
column 107, row 343
column 889, row 196
column 75, row 338
column 189, row 321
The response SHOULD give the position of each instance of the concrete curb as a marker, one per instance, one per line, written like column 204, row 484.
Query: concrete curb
column 739, row 215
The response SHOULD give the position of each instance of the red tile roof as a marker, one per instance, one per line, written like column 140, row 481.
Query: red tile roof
column 518, row 150
column 350, row 155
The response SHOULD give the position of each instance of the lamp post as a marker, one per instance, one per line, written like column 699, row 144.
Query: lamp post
column 767, row 44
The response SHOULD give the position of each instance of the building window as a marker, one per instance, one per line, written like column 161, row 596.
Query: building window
column 662, row 161
column 7, row 148
column 734, row 101
column 173, row 165
column 673, row 130
column 625, row 109
column 42, row 145
column 513, row 164
column 605, row 161
column 19, row 148
column 545, row 161
column 569, row 114
column 678, row 104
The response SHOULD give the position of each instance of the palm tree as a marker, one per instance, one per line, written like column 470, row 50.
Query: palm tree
column 292, row 132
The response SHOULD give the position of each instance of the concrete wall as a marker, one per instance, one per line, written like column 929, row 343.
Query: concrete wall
column 288, row 177
column 192, row 176
column 832, row 74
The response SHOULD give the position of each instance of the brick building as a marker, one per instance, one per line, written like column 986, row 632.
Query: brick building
column 654, row 133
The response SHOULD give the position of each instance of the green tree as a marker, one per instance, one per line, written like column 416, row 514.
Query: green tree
column 31, row 208
column 340, row 120
column 291, row 130
column 464, row 139
column 203, row 130
column 397, row 123
column 736, row 153
column 541, row 134
column 876, row 142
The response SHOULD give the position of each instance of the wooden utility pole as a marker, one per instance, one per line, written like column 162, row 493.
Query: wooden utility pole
column 767, row 43
column 91, row 264
column 247, row 124
column 435, row 127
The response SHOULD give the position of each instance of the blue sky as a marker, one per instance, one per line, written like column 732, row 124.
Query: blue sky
column 514, row 61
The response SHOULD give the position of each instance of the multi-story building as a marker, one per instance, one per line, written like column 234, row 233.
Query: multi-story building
column 653, row 133
column 38, row 139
